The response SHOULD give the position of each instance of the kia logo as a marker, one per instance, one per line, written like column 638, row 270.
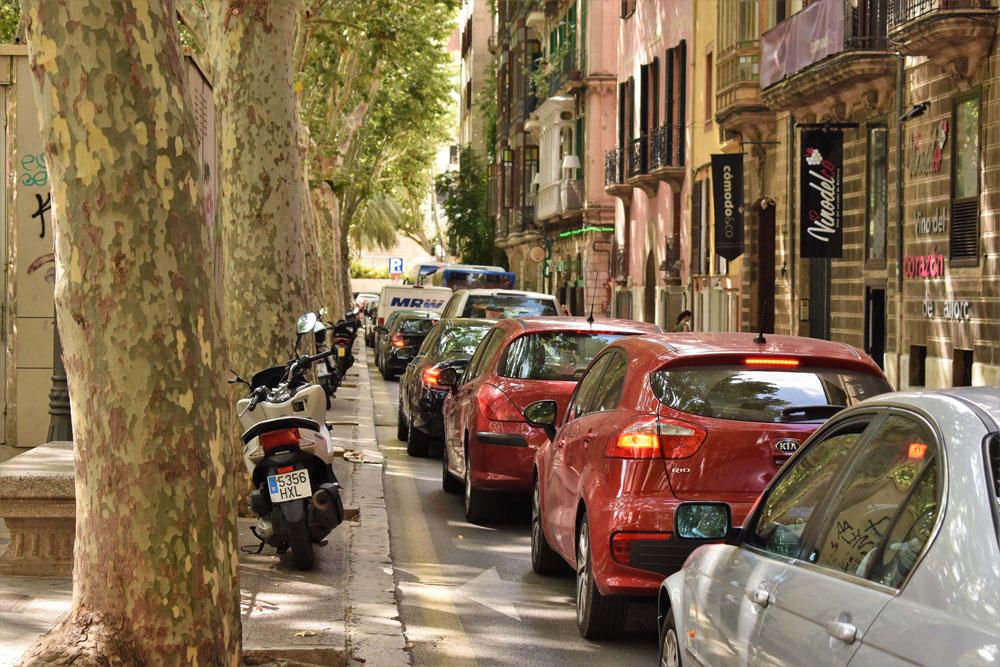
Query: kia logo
column 787, row 446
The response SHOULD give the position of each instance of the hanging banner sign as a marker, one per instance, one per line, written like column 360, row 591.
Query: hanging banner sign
column 821, row 210
column 727, row 195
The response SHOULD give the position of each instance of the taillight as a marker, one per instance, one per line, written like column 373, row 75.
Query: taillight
column 280, row 438
column 651, row 438
column 430, row 376
column 497, row 405
column 398, row 341
column 621, row 544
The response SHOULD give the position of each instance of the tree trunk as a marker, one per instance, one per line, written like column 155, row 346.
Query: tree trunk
column 264, row 198
column 155, row 570
column 324, row 203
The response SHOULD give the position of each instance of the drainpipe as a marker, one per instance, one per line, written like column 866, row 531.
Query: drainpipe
column 900, row 61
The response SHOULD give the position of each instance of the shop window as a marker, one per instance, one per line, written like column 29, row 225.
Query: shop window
column 964, row 233
column 961, row 368
column 918, row 364
column 878, row 191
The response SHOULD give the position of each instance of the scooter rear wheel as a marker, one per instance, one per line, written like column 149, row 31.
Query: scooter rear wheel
column 301, row 546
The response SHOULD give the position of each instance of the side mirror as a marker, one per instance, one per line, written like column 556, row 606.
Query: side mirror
column 381, row 330
column 232, row 377
column 543, row 415
column 305, row 323
column 702, row 521
column 448, row 378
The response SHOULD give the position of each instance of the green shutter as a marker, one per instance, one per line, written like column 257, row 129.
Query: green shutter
column 579, row 144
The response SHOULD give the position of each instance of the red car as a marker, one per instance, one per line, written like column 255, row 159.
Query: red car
column 667, row 418
column 488, row 442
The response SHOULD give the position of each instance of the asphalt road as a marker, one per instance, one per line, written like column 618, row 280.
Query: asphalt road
column 467, row 593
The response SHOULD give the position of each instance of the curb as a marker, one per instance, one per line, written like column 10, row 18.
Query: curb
column 374, row 630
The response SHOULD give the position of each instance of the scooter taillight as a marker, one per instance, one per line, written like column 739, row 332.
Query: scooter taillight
column 285, row 437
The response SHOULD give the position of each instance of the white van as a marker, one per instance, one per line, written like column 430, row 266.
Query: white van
column 410, row 297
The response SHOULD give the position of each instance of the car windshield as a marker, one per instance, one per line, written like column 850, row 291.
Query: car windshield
column 501, row 306
column 460, row 342
column 395, row 316
column 555, row 355
column 758, row 395
column 416, row 326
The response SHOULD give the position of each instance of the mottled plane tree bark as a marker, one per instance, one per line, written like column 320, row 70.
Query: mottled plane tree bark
column 264, row 200
column 155, row 569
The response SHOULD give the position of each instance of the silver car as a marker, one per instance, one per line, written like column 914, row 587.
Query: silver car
column 876, row 544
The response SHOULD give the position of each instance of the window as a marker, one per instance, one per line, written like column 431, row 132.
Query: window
column 483, row 355
column 458, row 342
column 503, row 306
column 918, row 361
column 675, row 108
column 875, row 502
column 609, row 391
column 584, row 393
column 530, row 154
column 769, row 396
column 964, row 233
column 709, row 92
column 628, row 8
column 878, row 190
column 555, row 355
column 993, row 453
column 781, row 520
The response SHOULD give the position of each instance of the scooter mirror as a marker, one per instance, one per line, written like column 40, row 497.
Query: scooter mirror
column 305, row 323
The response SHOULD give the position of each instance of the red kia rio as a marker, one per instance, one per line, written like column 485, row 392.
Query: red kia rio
column 488, row 442
column 662, row 419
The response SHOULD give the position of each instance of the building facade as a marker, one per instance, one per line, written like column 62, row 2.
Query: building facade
column 476, row 33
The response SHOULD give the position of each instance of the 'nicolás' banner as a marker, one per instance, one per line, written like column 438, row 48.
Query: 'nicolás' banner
column 727, row 193
column 821, row 171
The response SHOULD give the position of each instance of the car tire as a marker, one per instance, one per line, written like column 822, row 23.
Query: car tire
column 300, row 544
column 402, row 427
column 670, row 646
column 544, row 559
column 418, row 444
column 383, row 371
column 449, row 482
column 478, row 503
column 597, row 616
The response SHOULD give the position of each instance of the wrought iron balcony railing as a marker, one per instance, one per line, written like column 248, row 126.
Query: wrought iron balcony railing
column 614, row 174
column 638, row 153
column 666, row 147
column 901, row 11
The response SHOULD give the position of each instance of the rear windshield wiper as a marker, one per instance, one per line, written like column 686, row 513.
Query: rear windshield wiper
column 805, row 413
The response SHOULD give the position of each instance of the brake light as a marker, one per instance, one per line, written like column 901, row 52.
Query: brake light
column 497, row 405
column 770, row 361
column 398, row 341
column 430, row 376
column 284, row 469
column 281, row 438
column 650, row 438
column 621, row 544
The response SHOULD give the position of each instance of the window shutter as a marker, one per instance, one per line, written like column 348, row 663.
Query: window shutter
column 681, row 99
column 697, row 268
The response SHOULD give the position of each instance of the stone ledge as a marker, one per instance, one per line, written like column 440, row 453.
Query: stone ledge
column 38, row 504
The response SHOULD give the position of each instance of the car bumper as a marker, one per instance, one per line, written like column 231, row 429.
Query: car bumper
column 657, row 554
column 427, row 414
column 503, row 454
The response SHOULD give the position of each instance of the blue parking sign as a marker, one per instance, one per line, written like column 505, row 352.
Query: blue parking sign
column 396, row 266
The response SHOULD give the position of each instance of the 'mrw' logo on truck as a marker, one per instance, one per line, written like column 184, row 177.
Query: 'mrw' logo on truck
column 409, row 302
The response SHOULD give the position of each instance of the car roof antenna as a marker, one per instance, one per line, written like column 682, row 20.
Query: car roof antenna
column 760, row 325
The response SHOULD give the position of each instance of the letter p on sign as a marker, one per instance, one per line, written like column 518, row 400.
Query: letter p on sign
column 396, row 266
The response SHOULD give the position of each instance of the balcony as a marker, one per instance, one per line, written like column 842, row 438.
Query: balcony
column 637, row 166
column 523, row 227
column 563, row 72
column 828, row 58
column 738, row 103
column 614, row 175
column 955, row 34
column 666, row 155
column 619, row 264
column 559, row 199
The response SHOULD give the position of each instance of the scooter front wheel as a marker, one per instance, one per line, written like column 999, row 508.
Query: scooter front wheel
column 300, row 545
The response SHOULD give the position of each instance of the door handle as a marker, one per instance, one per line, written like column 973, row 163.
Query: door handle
column 760, row 596
column 842, row 630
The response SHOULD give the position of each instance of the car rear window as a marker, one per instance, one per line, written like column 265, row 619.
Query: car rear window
column 501, row 306
column 760, row 395
column 556, row 355
column 461, row 342
column 421, row 326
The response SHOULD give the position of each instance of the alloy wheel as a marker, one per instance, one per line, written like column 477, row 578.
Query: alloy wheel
column 583, row 575
column 536, row 523
column 670, row 654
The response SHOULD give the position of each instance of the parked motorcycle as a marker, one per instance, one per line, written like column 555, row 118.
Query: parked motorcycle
column 328, row 374
column 288, row 451
column 344, row 333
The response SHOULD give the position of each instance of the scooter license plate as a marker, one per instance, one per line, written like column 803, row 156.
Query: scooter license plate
column 341, row 351
column 289, row 486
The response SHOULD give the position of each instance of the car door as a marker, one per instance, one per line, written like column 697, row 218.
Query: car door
column 453, row 410
column 560, row 493
column 729, row 593
column 826, row 600
column 465, row 403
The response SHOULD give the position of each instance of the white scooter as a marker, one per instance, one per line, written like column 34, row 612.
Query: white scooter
column 288, row 452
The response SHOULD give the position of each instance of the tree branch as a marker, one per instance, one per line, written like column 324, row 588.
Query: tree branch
column 192, row 14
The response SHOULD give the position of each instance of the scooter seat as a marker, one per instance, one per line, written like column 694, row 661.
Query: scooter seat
column 278, row 423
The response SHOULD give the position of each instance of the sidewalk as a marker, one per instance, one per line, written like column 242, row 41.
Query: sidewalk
column 342, row 612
